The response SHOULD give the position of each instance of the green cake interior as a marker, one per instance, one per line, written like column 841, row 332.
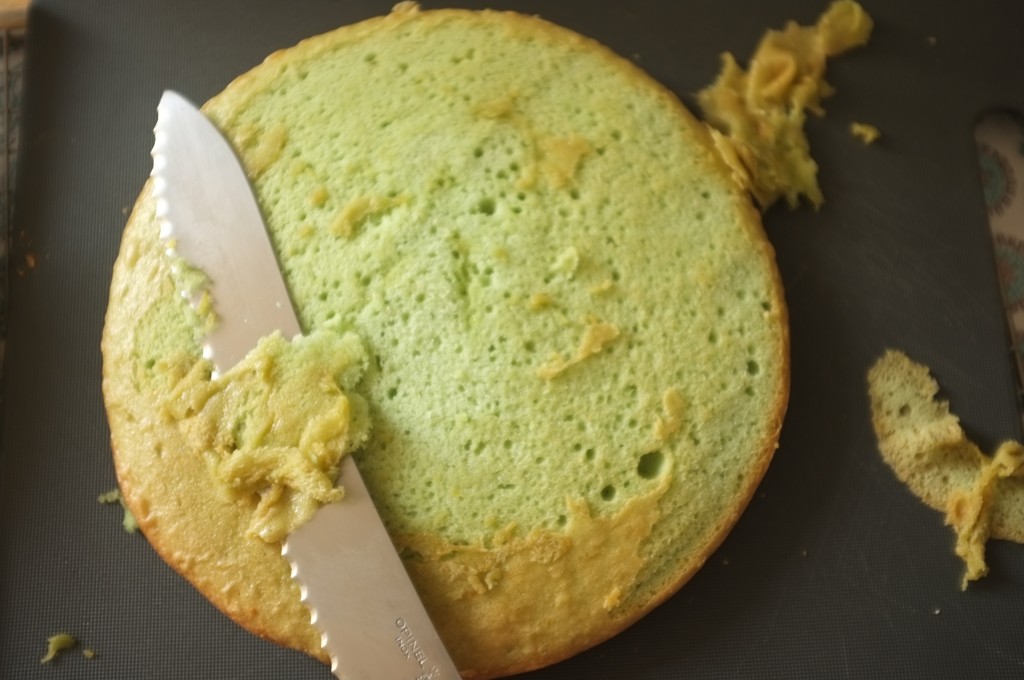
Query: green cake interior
column 570, row 312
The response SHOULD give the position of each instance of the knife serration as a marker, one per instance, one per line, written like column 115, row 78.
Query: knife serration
column 210, row 218
column 372, row 622
column 360, row 601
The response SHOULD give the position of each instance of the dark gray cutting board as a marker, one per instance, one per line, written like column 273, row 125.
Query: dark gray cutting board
column 835, row 570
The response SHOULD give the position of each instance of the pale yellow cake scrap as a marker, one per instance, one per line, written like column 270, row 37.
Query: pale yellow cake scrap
column 759, row 113
column 924, row 444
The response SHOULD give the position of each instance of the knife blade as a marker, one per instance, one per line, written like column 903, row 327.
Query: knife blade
column 372, row 622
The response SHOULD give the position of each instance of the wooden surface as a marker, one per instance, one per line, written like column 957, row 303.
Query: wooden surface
column 13, row 13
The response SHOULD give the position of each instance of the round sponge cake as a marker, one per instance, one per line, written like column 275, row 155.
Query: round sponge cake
column 576, row 334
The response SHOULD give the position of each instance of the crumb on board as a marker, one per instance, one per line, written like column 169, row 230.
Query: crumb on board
column 756, row 115
column 56, row 644
column 865, row 132
column 114, row 496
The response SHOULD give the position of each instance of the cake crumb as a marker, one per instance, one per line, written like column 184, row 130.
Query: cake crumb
column 596, row 336
column 671, row 421
column 567, row 262
column 561, row 158
column 613, row 599
column 406, row 7
column 757, row 116
column 499, row 107
column 263, row 147
column 284, row 464
column 318, row 197
column 128, row 520
column 362, row 208
column 540, row 301
column 867, row 133
column 56, row 644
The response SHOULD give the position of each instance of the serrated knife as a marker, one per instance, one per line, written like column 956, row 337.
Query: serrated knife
column 372, row 622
